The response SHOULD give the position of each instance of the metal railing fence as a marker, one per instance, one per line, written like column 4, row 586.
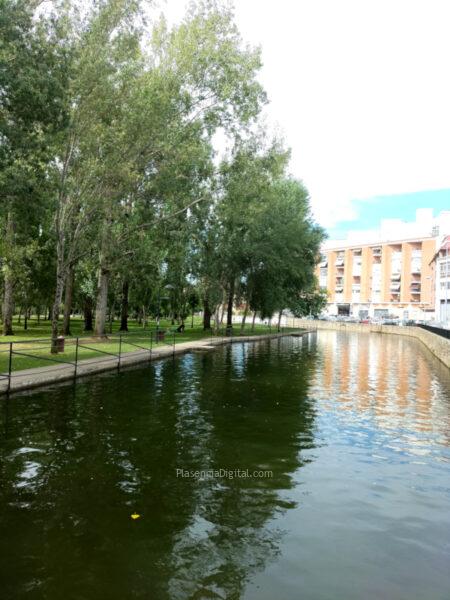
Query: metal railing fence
column 20, row 355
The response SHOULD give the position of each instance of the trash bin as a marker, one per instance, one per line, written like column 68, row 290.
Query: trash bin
column 160, row 336
column 60, row 343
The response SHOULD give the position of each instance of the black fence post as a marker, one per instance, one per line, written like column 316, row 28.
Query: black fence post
column 120, row 351
column 10, row 365
column 76, row 358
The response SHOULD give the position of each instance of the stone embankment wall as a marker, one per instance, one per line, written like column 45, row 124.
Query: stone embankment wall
column 438, row 345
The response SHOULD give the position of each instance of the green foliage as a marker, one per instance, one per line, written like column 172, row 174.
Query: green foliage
column 107, row 166
column 311, row 304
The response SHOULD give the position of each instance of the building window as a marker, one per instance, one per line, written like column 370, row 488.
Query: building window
column 445, row 268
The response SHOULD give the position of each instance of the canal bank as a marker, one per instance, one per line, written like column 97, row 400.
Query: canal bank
column 43, row 376
column 438, row 346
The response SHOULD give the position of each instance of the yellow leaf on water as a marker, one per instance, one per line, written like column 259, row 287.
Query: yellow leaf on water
column 135, row 516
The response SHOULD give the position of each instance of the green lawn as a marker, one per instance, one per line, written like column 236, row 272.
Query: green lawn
column 33, row 345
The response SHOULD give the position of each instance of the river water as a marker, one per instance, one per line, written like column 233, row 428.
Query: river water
column 323, row 473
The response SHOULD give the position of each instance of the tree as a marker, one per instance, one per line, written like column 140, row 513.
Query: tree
column 199, row 78
column 285, row 245
column 32, row 90
column 111, row 195
column 246, row 181
column 309, row 304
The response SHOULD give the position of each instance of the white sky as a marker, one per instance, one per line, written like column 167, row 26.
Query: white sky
column 360, row 89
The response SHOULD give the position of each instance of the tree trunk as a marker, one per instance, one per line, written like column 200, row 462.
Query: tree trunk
column 68, row 300
column 88, row 314
column 25, row 319
column 222, row 314
column 111, row 317
column 102, row 301
column 216, row 319
column 60, row 279
column 206, row 314
column 8, row 298
column 56, row 308
column 253, row 321
column 124, row 307
column 279, row 320
column 8, row 305
column 230, row 307
column 244, row 317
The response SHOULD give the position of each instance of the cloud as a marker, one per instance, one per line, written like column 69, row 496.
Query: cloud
column 361, row 91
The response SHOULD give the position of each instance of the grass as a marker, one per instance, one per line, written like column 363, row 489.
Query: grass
column 33, row 345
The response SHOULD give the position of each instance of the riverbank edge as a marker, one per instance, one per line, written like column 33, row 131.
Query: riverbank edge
column 437, row 345
column 45, row 376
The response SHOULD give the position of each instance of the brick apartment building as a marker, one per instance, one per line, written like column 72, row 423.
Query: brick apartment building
column 388, row 272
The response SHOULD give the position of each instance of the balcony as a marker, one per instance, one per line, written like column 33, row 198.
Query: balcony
column 376, row 251
column 396, row 276
column 339, row 262
column 395, row 289
column 338, row 289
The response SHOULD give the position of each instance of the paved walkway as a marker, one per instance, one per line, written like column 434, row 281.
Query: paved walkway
column 41, row 376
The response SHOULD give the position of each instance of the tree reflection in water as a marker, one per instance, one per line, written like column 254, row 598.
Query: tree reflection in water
column 76, row 462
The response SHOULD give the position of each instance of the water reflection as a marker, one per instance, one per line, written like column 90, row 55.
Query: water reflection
column 355, row 429
column 76, row 462
column 374, row 521
column 391, row 380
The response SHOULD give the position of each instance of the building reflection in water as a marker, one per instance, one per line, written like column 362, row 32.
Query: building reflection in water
column 394, row 380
